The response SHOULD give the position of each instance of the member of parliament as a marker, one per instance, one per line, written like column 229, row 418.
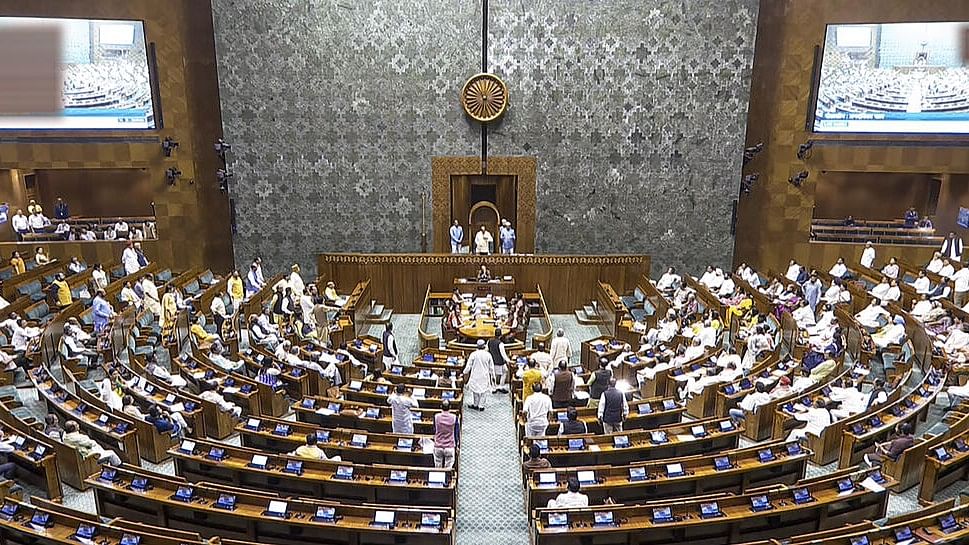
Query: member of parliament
column 463, row 272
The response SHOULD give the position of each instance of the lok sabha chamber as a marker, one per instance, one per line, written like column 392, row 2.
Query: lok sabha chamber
column 442, row 272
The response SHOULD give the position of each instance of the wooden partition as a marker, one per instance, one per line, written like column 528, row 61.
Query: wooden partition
column 400, row 280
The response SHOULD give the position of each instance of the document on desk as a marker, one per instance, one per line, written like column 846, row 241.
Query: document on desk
column 594, row 447
column 870, row 484
column 230, row 390
column 684, row 438
column 177, row 408
column 325, row 411
column 427, row 445
column 197, row 375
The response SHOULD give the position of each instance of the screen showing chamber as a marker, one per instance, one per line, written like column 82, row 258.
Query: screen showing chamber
column 75, row 74
column 894, row 78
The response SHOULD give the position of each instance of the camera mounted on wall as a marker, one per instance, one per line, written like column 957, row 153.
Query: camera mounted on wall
column 169, row 145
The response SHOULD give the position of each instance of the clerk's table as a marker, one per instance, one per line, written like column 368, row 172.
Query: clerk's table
column 499, row 287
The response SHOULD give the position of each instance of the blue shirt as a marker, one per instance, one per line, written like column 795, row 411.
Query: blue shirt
column 457, row 233
column 507, row 236
column 102, row 313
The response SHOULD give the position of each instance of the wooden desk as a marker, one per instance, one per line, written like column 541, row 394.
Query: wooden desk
column 499, row 287
column 601, row 450
column 937, row 474
column 249, row 519
column 380, row 448
column 368, row 484
column 329, row 412
column 370, row 392
column 40, row 472
column 738, row 523
column 700, row 476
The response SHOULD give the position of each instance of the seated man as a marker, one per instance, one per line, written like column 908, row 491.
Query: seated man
column 159, row 372
column 892, row 449
column 572, row 424
column 891, row 334
column 86, row 446
column 208, row 392
column 311, row 451
column 570, row 499
column 751, row 402
column 815, row 419
column 216, row 357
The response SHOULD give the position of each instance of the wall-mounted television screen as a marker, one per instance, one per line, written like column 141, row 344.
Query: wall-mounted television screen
column 894, row 78
column 74, row 74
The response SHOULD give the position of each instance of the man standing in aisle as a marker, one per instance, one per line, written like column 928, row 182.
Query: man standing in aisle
column 457, row 236
column 445, row 436
column 401, row 405
column 507, row 236
column 479, row 373
column 561, row 348
column 952, row 247
column 613, row 408
column 390, row 347
column 535, row 411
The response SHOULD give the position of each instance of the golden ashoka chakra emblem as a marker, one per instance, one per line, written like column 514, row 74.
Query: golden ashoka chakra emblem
column 484, row 97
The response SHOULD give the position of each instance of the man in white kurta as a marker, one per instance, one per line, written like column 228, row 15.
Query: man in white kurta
column 296, row 281
column 868, row 256
column 129, row 258
column 483, row 241
column 151, row 299
column 479, row 377
column 561, row 348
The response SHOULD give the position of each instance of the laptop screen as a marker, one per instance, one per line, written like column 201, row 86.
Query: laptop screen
column 801, row 495
column 85, row 531
column 711, row 509
column 326, row 513
column 726, row 425
column 322, row 436
column 759, row 502
column 698, row 431
column 139, row 483
column 721, row 463
column 558, row 519
column 308, row 403
column 603, row 517
column 644, row 408
column 405, row 443
column 860, row 540
column 947, row 521
column 542, row 444
column 620, row 441
column 108, row 474
column 942, row 454
column 384, row 517
column 187, row 446
column 217, row 453
column 9, row 509
column 359, row 440
column 184, row 493
column 765, row 455
column 344, row 472
column 294, row 466
column 281, row 429
column 259, row 460
column 129, row 539
column 253, row 423
column 586, row 477
column 576, row 444
column 662, row 514
column 226, row 500
column 903, row 534
column 398, row 476
column 669, row 404
column 658, row 436
column 845, row 485
column 637, row 473
column 546, row 478
column 372, row 412
column 794, row 449
column 277, row 508
column 674, row 470
column 40, row 519
column 381, row 389
column 436, row 477
column 431, row 520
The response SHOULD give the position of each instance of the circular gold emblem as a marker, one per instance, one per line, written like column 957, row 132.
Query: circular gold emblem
column 484, row 97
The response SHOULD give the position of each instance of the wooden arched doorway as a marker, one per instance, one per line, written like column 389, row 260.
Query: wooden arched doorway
column 484, row 214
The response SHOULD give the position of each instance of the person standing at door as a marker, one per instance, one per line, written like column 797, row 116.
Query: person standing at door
column 483, row 241
column 507, row 236
column 457, row 235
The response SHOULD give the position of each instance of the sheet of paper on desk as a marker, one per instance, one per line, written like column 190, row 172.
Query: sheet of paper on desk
column 230, row 390
column 196, row 376
column 506, row 278
column 684, row 438
column 594, row 447
column 177, row 408
column 870, row 484
column 325, row 411
column 427, row 445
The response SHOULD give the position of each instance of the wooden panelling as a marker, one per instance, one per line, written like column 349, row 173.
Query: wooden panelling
column 774, row 220
column 524, row 168
column 101, row 192
column 839, row 194
column 399, row 281
column 193, row 218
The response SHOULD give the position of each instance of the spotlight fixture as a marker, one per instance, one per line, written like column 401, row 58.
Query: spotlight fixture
column 798, row 178
column 169, row 145
column 752, row 151
column 748, row 182
column 172, row 174
column 804, row 150
column 223, row 177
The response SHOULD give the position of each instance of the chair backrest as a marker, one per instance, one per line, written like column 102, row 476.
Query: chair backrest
column 164, row 275
column 207, row 277
column 117, row 272
column 38, row 311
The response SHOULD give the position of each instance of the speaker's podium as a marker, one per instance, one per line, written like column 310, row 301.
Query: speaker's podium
column 498, row 287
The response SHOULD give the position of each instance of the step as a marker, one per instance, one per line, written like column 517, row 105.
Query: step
column 375, row 311
column 383, row 318
column 585, row 319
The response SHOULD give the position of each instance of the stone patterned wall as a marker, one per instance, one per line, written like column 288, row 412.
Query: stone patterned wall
column 635, row 110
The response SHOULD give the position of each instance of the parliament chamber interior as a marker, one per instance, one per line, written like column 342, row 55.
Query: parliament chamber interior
column 460, row 273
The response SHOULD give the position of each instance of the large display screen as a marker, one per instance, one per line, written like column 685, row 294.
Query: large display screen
column 894, row 78
column 74, row 74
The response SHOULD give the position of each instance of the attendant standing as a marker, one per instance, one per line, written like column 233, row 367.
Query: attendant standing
column 613, row 408
column 483, row 241
column 507, row 236
column 952, row 247
column 390, row 347
column 457, row 236
column 478, row 371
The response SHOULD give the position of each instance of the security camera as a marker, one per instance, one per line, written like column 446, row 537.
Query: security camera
column 172, row 174
column 169, row 145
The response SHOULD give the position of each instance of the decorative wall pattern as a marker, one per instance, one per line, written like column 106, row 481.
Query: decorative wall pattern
column 635, row 110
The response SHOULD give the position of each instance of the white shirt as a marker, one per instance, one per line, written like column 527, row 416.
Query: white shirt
column 802, row 383
column 921, row 308
column 129, row 257
column 947, row 271
column 890, row 270
column 888, row 336
column 935, row 265
column 536, row 407
column 804, row 317
column 838, row 270
column 868, row 257
column 218, row 306
column 726, row 288
column 19, row 223
column 100, row 278
column 922, row 284
column 296, row 282
column 894, row 294
column 792, row 272
column 38, row 221
column 870, row 314
column 668, row 281
column 560, row 349
column 753, row 400
column 482, row 241
column 817, row 419
column 961, row 279
column 567, row 500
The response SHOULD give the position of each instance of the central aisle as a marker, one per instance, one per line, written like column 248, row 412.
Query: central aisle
column 490, row 501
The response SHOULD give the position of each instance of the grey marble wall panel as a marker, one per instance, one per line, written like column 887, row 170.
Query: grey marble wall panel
column 635, row 109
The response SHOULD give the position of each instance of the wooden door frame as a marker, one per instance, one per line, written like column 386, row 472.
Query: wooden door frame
column 524, row 168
